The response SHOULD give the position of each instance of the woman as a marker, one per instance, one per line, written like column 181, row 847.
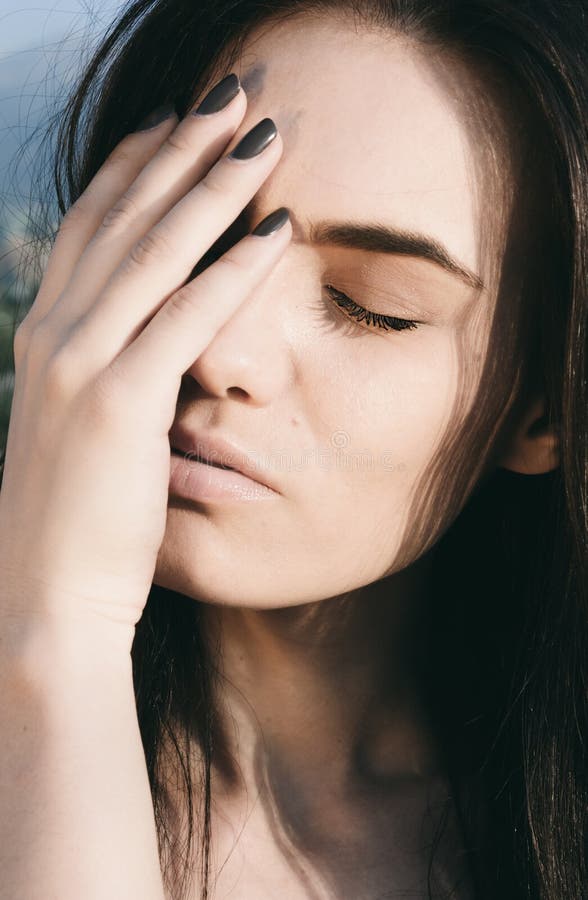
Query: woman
column 358, row 662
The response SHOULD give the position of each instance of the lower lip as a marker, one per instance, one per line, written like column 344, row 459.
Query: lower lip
column 199, row 481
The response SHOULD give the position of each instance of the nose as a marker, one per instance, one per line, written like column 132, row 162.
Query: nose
column 249, row 358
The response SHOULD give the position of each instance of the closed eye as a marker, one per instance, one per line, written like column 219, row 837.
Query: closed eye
column 360, row 314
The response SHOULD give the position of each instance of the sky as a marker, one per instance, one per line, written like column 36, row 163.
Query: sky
column 42, row 43
column 23, row 24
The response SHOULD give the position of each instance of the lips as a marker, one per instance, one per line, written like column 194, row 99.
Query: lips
column 219, row 452
column 194, row 456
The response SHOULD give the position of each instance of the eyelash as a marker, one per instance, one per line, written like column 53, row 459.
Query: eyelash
column 359, row 313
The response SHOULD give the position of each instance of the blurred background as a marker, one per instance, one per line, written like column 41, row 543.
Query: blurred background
column 43, row 46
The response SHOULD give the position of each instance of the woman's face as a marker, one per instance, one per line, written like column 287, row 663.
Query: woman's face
column 346, row 416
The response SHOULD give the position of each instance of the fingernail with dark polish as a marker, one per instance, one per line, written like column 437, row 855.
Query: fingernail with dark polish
column 219, row 97
column 272, row 223
column 255, row 140
column 156, row 117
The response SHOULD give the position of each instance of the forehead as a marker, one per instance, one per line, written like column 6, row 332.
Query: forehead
column 369, row 133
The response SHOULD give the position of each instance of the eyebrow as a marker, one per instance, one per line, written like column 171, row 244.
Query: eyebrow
column 378, row 238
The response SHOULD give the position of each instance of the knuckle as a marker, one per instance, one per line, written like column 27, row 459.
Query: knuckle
column 76, row 215
column 21, row 340
column 39, row 339
column 178, row 143
column 103, row 400
column 60, row 373
column 152, row 247
column 121, row 155
column 213, row 184
column 121, row 215
column 234, row 266
column 182, row 302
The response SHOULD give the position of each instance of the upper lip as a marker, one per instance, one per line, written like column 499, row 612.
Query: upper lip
column 218, row 451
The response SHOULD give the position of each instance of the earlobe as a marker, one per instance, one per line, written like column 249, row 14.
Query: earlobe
column 534, row 446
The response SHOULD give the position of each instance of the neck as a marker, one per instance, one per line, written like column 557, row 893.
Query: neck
column 327, row 691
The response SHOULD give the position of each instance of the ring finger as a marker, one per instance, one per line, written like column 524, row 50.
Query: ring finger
column 182, row 161
column 163, row 259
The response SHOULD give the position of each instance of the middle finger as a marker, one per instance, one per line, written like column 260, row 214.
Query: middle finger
column 183, row 160
column 163, row 259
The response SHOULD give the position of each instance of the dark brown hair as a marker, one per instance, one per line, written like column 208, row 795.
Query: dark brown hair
column 507, row 676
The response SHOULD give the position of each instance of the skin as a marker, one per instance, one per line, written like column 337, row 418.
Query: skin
column 315, row 600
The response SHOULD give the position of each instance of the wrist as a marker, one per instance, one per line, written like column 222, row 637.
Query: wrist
column 44, row 645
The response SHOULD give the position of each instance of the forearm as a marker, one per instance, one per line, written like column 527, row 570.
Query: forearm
column 76, row 817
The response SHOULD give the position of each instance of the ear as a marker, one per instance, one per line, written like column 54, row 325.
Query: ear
column 533, row 448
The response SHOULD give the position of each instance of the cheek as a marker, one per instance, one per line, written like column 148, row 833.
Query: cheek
column 388, row 401
column 387, row 404
column 371, row 413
